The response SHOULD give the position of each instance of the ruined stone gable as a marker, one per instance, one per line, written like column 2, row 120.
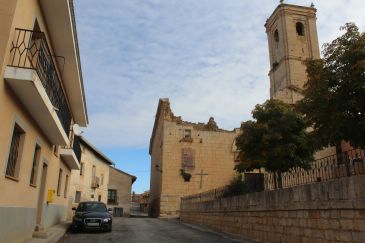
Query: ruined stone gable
column 202, row 150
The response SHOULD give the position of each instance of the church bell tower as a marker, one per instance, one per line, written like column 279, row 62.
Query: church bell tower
column 292, row 37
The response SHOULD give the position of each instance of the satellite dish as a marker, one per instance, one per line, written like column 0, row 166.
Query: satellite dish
column 77, row 130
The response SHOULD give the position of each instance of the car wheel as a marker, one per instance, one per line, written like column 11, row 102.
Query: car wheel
column 109, row 229
column 74, row 228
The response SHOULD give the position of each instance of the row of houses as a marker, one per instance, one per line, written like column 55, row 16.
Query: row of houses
column 45, row 167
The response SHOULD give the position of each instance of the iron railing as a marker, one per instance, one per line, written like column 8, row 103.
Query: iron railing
column 77, row 148
column 206, row 196
column 345, row 164
column 29, row 49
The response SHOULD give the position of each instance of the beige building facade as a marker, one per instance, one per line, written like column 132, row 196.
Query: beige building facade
column 119, row 191
column 177, row 147
column 41, row 98
column 90, row 183
column 292, row 38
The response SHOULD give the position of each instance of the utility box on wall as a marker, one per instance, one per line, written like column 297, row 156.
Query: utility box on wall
column 50, row 195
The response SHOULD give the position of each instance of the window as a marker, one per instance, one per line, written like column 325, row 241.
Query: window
column 276, row 36
column 55, row 150
column 112, row 196
column 33, row 173
column 81, row 168
column 93, row 171
column 101, row 179
column 187, row 133
column 59, row 182
column 66, row 185
column 77, row 196
column 99, row 198
column 300, row 28
column 16, row 147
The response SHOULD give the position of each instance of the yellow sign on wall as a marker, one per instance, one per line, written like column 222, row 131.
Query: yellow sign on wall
column 50, row 195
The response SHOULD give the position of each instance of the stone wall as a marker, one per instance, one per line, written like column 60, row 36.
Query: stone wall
column 332, row 211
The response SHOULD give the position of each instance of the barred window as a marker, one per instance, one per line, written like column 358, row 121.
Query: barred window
column 33, row 173
column 66, row 187
column 12, row 168
column 59, row 183
column 112, row 196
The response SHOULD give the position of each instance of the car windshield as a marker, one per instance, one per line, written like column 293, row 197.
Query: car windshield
column 91, row 207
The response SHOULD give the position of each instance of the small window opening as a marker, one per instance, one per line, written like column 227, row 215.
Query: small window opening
column 276, row 36
column 300, row 28
column 81, row 169
column 187, row 133
column 78, row 196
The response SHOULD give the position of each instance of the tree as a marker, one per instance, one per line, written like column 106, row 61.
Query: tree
column 334, row 96
column 276, row 140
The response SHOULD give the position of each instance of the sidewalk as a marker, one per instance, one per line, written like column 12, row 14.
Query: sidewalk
column 53, row 234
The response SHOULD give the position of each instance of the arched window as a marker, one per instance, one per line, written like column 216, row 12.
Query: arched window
column 300, row 28
column 276, row 35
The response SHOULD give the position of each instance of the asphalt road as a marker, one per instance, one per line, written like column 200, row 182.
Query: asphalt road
column 151, row 230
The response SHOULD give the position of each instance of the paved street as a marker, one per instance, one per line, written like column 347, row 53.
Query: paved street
column 149, row 230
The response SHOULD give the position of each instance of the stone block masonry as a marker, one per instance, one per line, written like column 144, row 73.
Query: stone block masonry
column 332, row 211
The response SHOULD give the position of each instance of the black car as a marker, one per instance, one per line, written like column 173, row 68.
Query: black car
column 92, row 215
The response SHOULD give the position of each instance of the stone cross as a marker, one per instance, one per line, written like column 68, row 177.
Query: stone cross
column 201, row 177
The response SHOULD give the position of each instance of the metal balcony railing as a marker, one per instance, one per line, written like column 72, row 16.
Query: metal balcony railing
column 77, row 148
column 29, row 49
column 95, row 182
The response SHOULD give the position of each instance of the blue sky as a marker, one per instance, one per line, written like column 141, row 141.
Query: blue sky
column 210, row 57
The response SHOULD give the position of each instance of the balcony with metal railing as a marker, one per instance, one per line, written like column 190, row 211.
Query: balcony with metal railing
column 32, row 75
column 72, row 155
column 95, row 182
column 77, row 148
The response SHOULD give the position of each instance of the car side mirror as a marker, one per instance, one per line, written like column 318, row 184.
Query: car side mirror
column 109, row 209
column 73, row 209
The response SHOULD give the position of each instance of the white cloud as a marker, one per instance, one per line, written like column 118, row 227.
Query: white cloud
column 210, row 57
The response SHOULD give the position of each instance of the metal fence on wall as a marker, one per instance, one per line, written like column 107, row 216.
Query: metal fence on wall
column 349, row 163
column 345, row 164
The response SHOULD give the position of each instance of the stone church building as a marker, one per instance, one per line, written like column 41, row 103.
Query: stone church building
column 204, row 150
column 178, row 147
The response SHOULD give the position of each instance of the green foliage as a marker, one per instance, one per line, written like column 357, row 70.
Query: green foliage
column 277, row 140
column 334, row 96
column 185, row 175
column 236, row 187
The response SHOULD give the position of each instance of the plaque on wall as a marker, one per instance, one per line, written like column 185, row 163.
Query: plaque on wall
column 187, row 158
